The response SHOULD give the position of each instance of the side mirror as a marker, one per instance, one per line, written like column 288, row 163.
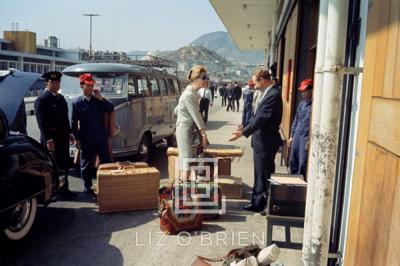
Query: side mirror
column 4, row 127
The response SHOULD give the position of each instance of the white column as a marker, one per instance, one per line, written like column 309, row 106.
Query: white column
column 20, row 63
column 325, row 138
column 315, row 123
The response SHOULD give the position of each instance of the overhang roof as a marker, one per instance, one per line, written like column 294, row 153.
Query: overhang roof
column 248, row 22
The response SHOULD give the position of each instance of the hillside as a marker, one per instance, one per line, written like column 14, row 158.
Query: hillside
column 221, row 43
column 188, row 56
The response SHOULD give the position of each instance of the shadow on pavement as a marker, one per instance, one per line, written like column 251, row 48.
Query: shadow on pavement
column 67, row 236
column 215, row 125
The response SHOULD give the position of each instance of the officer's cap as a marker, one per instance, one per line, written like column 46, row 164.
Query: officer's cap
column 53, row 75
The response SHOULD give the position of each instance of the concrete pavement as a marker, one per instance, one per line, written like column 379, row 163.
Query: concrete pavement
column 72, row 232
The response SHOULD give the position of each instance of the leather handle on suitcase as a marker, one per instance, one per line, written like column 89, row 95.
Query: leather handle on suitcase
column 128, row 169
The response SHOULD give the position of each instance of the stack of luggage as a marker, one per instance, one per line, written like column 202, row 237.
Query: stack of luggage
column 201, row 197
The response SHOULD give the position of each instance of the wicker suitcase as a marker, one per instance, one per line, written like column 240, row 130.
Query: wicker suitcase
column 224, row 166
column 126, row 188
column 231, row 187
column 121, row 165
column 217, row 152
column 173, row 171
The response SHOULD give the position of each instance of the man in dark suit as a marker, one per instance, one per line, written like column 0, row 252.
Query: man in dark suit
column 223, row 94
column 51, row 111
column 237, row 94
column 266, row 140
column 231, row 100
column 87, row 123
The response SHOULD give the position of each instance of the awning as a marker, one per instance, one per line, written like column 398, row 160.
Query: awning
column 248, row 22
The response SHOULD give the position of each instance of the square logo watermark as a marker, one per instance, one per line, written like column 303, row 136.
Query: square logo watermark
column 201, row 192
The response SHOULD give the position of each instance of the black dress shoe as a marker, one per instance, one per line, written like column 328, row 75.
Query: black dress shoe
column 263, row 213
column 250, row 208
column 89, row 191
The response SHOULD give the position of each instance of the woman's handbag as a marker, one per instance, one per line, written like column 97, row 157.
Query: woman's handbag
column 172, row 222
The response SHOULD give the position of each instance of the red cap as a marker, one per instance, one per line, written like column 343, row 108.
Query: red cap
column 304, row 84
column 87, row 79
column 250, row 83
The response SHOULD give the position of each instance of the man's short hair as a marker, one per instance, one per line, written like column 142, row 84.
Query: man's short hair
column 262, row 73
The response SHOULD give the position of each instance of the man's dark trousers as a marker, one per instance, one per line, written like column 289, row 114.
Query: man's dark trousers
column 204, row 106
column 264, row 166
column 90, row 149
column 231, row 104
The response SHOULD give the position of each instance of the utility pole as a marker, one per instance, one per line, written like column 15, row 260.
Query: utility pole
column 91, row 16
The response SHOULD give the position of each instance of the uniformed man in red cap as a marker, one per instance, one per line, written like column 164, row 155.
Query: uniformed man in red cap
column 87, row 123
column 51, row 112
column 299, row 140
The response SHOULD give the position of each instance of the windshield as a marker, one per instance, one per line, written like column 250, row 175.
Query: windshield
column 109, row 86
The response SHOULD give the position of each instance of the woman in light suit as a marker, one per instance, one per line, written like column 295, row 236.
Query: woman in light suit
column 188, row 114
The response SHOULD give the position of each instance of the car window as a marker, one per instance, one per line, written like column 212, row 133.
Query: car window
column 170, row 85
column 163, row 87
column 154, row 87
column 108, row 86
column 143, row 86
column 133, row 88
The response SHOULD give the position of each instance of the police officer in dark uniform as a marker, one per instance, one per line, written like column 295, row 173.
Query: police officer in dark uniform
column 299, row 140
column 89, row 129
column 51, row 111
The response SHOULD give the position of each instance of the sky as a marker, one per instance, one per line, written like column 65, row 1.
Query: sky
column 123, row 25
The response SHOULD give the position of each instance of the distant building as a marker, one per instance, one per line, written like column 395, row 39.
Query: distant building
column 18, row 49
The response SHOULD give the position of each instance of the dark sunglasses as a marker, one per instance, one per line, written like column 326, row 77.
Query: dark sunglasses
column 204, row 77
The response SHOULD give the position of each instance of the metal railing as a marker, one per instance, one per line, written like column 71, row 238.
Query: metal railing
column 140, row 60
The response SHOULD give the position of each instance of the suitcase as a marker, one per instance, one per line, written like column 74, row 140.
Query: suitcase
column 287, row 195
column 224, row 166
column 231, row 187
column 173, row 171
column 200, row 173
column 126, row 187
column 121, row 165
column 217, row 152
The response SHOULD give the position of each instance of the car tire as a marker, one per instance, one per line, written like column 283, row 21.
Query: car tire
column 144, row 149
column 21, row 219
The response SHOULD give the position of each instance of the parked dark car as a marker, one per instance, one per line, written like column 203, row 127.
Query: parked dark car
column 28, row 174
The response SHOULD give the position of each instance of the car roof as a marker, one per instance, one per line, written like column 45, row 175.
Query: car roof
column 109, row 68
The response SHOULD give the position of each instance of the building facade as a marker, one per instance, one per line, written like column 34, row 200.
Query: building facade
column 19, row 50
